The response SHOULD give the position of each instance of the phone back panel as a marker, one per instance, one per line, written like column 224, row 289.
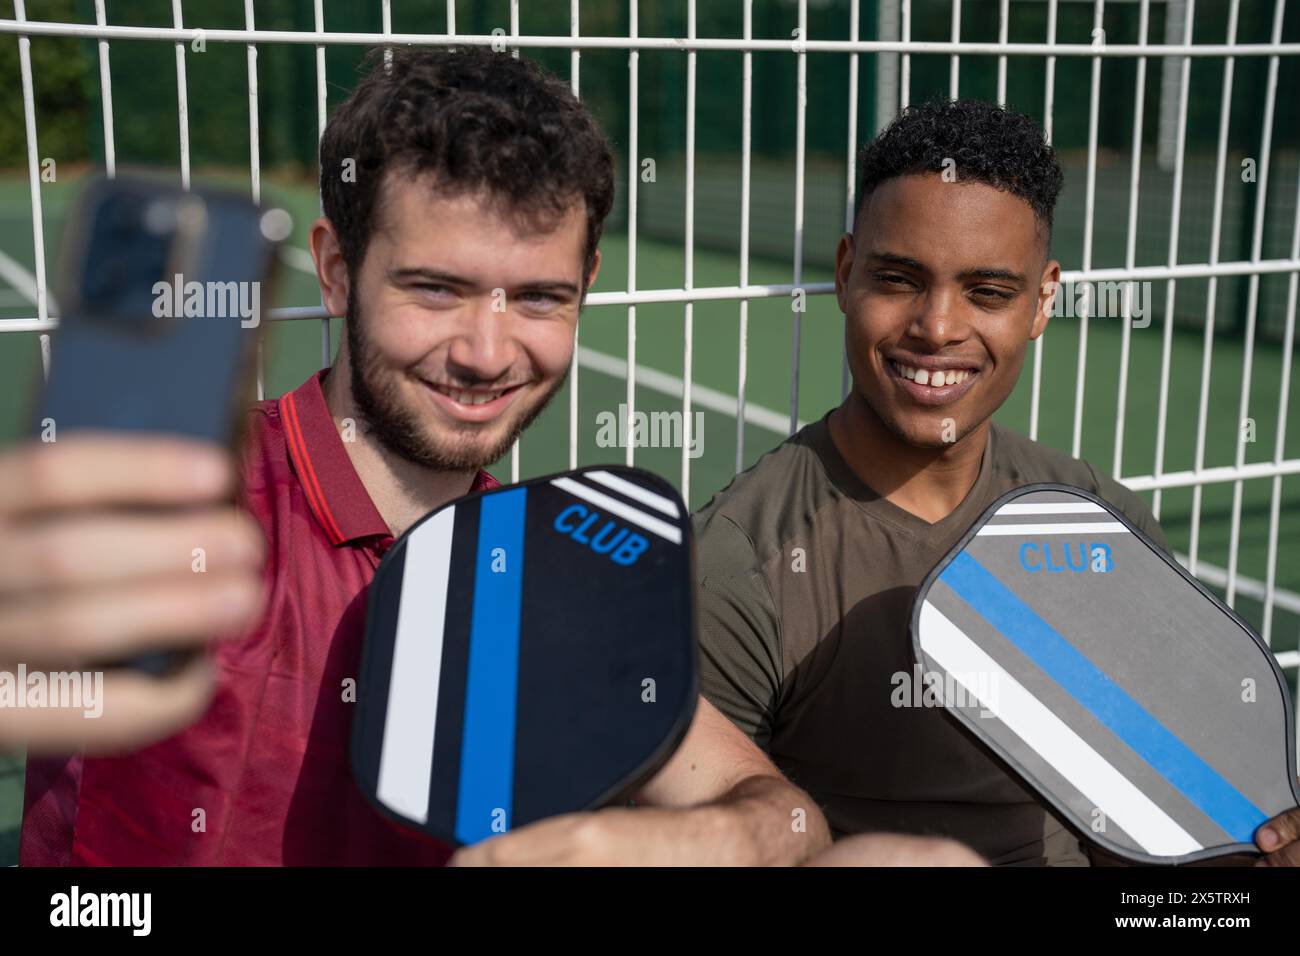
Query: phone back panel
column 118, row 364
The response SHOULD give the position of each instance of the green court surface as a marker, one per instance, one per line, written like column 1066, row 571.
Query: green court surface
column 294, row 351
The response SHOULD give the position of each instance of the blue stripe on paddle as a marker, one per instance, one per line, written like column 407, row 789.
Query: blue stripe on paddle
column 487, row 756
column 1107, row 701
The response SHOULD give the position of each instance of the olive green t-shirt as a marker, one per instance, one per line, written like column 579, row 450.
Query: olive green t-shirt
column 806, row 581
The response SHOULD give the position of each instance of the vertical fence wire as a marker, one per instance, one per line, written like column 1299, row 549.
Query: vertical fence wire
column 746, row 131
column 1211, row 292
column 1130, row 244
column 574, row 64
column 1252, row 297
column 1175, row 222
column 688, row 329
column 799, row 299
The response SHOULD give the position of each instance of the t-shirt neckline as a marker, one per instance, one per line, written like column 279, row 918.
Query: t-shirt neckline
column 847, row 481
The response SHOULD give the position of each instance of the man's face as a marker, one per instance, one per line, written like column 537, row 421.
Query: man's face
column 461, row 322
column 941, row 285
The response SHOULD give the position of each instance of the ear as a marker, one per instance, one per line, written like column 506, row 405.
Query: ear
column 843, row 269
column 331, row 270
column 595, row 270
column 1049, row 287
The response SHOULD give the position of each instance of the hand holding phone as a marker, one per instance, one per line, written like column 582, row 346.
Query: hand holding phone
column 121, row 549
column 96, row 537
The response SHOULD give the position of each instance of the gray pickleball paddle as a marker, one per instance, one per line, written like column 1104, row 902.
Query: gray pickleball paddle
column 1133, row 700
column 529, row 651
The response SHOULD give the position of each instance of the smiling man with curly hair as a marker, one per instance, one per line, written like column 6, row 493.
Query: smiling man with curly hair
column 943, row 282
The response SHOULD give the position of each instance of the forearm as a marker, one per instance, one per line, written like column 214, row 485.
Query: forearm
column 718, row 801
column 763, row 820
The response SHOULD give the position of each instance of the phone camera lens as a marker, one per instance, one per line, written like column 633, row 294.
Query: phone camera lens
column 159, row 217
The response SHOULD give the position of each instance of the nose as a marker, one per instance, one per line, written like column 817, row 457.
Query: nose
column 937, row 322
column 483, row 349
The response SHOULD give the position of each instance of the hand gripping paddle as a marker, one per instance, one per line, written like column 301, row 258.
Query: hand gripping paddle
column 1128, row 696
column 529, row 651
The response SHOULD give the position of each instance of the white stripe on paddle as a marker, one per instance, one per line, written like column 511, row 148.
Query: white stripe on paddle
column 626, row 512
column 1081, row 527
column 1052, row 508
column 1046, row 734
column 634, row 491
column 406, row 756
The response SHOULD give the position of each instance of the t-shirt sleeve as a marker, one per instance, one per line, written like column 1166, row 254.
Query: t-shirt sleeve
column 738, row 629
column 1132, row 507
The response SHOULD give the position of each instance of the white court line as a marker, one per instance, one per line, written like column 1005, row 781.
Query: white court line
column 23, row 282
column 636, row 492
column 1043, row 732
column 626, row 512
column 711, row 398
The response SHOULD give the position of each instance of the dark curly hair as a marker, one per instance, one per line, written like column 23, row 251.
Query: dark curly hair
column 474, row 119
column 987, row 143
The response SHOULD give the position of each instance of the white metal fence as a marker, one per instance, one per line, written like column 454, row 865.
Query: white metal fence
column 893, row 73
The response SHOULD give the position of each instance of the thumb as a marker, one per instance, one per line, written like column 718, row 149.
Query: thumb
column 1281, row 830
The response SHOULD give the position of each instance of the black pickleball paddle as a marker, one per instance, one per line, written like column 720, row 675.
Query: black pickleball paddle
column 1131, row 698
column 529, row 651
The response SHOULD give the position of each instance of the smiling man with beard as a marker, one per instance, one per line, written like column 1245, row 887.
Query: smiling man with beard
column 463, row 194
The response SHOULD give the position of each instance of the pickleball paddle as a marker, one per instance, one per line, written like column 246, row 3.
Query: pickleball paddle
column 1132, row 699
column 529, row 651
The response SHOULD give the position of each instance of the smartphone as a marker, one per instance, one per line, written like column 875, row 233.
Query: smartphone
column 162, row 294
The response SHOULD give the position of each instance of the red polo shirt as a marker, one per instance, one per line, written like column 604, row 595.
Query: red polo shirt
column 263, row 778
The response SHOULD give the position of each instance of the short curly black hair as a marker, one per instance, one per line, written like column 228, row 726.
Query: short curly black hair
column 985, row 142
column 473, row 119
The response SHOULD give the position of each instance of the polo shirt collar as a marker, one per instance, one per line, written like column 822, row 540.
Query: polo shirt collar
column 334, row 490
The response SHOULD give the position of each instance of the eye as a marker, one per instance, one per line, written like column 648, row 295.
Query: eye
column 892, row 278
column 435, row 288
column 992, row 294
column 540, row 301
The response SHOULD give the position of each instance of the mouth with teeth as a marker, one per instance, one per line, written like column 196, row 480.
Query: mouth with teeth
column 471, row 404
column 932, row 386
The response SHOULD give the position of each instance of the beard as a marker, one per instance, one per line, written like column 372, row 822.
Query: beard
column 411, row 433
